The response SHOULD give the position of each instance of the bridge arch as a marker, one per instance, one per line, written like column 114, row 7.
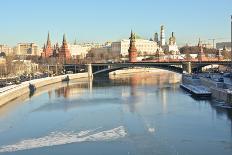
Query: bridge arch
column 105, row 69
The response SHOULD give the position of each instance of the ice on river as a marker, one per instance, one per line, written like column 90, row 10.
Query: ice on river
column 60, row 138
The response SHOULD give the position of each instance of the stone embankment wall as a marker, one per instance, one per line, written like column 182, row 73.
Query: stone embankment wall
column 137, row 70
column 23, row 88
column 219, row 90
column 221, row 94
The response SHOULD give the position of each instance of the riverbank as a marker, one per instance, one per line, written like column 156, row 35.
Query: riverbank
column 13, row 92
column 220, row 90
column 137, row 74
column 137, row 70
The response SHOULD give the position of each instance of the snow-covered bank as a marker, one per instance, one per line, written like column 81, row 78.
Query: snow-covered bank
column 23, row 88
column 137, row 70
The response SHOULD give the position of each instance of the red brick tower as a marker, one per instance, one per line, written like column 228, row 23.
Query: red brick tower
column 47, row 50
column 64, row 52
column 201, row 55
column 132, row 49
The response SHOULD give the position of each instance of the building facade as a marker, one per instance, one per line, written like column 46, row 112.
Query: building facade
column 79, row 51
column 6, row 49
column 171, row 47
column 144, row 47
column 27, row 49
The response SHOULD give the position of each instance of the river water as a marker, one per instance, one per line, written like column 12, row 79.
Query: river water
column 137, row 114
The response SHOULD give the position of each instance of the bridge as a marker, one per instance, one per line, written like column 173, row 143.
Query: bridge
column 96, row 69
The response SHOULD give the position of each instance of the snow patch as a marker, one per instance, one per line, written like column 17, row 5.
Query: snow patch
column 152, row 130
column 61, row 138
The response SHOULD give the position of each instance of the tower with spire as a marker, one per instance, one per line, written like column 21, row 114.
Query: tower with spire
column 201, row 55
column 47, row 49
column 132, row 49
column 64, row 52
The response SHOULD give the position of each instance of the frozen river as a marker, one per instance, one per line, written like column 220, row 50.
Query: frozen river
column 137, row 114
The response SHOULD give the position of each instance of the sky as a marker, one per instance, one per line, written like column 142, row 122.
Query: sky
column 107, row 20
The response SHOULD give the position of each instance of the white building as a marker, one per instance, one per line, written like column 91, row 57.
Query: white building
column 79, row 50
column 6, row 49
column 162, row 36
column 171, row 46
column 144, row 47
column 105, row 49
column 26, row 49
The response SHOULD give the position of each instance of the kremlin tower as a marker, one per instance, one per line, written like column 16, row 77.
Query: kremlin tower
column 47, row 49
column 64, row 52
column 201, row 55
column 132, row 49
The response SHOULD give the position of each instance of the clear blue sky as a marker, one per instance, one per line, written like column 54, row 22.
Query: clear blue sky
column 103, row 20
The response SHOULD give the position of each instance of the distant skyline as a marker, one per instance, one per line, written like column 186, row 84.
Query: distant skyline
column 105, row 20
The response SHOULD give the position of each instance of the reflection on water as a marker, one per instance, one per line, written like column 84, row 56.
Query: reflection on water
column 145, row 113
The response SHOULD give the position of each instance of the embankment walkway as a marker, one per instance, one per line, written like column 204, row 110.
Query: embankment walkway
column 10, row 93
